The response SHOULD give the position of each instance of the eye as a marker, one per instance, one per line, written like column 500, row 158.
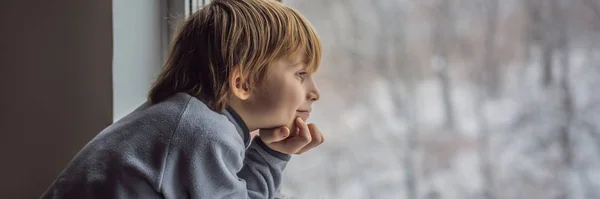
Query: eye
column 301, row 74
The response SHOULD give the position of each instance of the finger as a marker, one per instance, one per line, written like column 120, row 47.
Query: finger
column 294, row 144
column 317, row 139
column 295, row 132
column 274, row 135
column 304, row 132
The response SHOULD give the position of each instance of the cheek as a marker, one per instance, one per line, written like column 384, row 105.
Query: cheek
column 293, row 98
column 278, row 102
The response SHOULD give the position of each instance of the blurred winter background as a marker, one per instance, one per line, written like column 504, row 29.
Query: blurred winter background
column 454, row 99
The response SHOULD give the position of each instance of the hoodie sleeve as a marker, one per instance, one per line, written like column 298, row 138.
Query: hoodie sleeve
column 261, row 160
column 216, row 165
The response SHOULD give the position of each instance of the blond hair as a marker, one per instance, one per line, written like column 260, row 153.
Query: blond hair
column 228, row 35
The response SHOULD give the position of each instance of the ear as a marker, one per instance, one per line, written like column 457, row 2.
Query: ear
column 237, row 86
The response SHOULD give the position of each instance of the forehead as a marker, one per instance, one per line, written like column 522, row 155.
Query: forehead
column 292, row 61
column 286, row 63
column 298, row 57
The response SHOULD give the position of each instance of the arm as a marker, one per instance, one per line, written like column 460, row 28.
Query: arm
column 262, row 161
column 213, row 167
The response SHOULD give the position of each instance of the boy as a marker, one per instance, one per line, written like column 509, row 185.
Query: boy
column 235, row 66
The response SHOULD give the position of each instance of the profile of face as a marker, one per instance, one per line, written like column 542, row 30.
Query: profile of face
column 286, row 92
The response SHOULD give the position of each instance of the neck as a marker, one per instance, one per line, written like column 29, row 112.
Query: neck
column 236, row 105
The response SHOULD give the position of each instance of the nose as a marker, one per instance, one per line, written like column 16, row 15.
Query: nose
column 313, row 94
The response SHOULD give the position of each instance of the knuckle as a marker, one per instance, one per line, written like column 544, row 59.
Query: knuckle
column 307, row 139
column 318, row 139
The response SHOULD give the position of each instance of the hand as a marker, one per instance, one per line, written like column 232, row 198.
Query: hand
column 304, row 138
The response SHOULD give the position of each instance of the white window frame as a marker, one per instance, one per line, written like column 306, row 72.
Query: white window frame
column 176, row 11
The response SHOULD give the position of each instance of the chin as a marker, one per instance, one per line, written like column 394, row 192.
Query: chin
column 303, row 115
column 292, row 124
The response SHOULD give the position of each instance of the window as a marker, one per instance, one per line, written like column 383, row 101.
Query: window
column 194, row 5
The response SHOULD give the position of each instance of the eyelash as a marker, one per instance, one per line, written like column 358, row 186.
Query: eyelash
column 301, row 74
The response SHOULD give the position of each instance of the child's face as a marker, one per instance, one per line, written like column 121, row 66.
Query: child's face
column 287, row 91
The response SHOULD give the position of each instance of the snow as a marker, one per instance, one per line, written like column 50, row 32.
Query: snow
column 369, row 126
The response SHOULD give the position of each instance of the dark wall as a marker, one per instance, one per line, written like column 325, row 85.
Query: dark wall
column 55, row 81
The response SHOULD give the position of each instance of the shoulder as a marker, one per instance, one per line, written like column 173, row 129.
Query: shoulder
column 163, row 114
column 172, row 107
column 199, row 124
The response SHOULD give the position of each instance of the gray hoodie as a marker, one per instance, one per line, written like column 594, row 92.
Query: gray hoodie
column 178, row 148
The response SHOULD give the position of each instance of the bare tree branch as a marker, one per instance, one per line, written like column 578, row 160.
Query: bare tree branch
column 442, row 38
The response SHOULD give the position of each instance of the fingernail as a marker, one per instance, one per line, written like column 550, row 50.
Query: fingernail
column 301, row 121
column 285, row 134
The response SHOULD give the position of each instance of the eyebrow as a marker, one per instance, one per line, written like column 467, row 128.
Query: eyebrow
column 297, row 63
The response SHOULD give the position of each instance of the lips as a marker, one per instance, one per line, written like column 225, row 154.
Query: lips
column 303, row 114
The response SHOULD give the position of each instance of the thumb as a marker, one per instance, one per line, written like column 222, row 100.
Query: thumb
column 273, row 135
